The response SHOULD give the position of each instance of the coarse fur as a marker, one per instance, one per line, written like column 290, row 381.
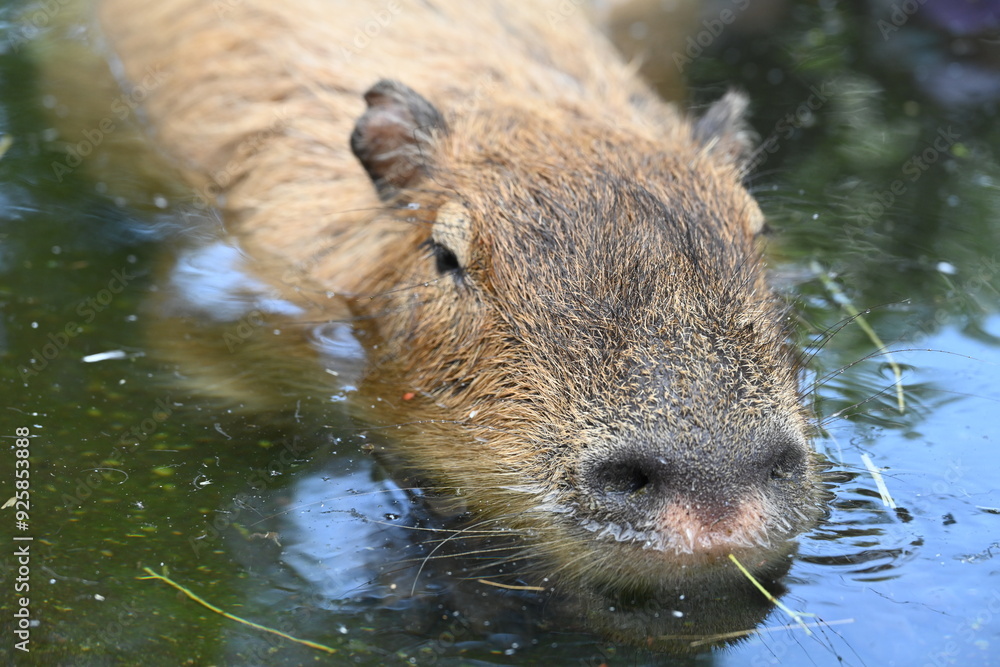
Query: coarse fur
column 553, row 274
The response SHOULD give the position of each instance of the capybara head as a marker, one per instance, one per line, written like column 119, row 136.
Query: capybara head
column 581, row 321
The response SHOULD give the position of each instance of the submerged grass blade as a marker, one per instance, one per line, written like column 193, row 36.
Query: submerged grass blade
column 509, row 587
column 845, row 302
column 210, row 606
column 796, row 615
column 702, row 641
column 876, row 474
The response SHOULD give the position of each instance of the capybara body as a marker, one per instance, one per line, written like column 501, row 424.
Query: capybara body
column 554, row 275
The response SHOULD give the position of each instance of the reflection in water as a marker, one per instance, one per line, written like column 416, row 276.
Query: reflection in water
column 354, row 542
column 210, row 282
column 861, row 536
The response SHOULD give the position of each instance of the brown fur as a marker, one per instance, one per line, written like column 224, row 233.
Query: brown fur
column 557, row 269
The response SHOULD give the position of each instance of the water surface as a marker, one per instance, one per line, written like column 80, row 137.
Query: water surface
column 880, row 180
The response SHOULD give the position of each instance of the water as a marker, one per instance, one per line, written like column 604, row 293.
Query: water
column 879, row 177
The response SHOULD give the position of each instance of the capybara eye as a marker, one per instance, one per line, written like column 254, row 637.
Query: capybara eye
column 444, row 259
column 450, row 239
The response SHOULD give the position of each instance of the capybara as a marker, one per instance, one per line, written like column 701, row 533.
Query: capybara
column 554, row 275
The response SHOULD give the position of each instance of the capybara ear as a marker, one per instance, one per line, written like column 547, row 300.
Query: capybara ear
column 724, row 129
column 391, row 139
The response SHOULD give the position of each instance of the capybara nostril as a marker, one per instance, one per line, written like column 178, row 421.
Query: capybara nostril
column 787, row 463
column 628, row 478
